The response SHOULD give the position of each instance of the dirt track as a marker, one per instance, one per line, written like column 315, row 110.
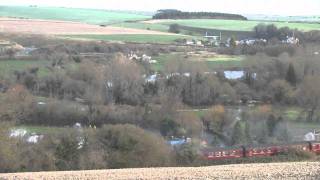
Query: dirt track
column 301, row 170
column 11, row 25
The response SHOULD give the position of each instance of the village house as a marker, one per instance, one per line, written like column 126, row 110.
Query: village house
column 250, row 42
column 213, row 40
column 143, row 58
column 193, row 42
column 291, row 40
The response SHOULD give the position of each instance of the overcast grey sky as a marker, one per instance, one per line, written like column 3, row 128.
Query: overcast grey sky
column 270, row 7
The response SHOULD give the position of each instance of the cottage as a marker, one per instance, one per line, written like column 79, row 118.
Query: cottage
column 291, row 40
column 213, row 39
column 189, row 42
column 146, row 58
column 250, row 42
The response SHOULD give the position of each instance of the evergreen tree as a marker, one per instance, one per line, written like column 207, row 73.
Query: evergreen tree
column 240, row 134
column 291, row 75
column 271, row 124
column 174, row 28
column 232, row 42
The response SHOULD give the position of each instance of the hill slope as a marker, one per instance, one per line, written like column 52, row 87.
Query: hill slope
column 300, row 170
column 90, row 16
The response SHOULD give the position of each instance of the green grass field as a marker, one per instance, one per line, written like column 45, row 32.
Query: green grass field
column 225, row 58
column 137, row 38
column 144, row 26
column 213, row 63
column 7, row 67
column 235, row 25
column 70, row 14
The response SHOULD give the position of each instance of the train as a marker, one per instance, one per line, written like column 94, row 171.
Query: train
column 261, row 151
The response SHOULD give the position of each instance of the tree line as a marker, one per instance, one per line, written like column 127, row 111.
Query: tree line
column 176, row 14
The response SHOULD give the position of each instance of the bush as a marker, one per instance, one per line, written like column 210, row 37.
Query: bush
column 36, row 157
column 174, row 28
column 67, row 153
column 187, row 155
column 8, row 150
column 128, row 146
column 56, row 113
column 297, row 154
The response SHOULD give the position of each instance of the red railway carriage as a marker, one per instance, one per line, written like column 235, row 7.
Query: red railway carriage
column 315, row 147
column 216, row 154
column 262, row 151
column 301, row 146
column 271, row 150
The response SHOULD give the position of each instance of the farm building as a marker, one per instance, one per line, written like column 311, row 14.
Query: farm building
column 193, row 42
column 143, row 58
column 291, row 40
column 251, row 41
column 213, row 39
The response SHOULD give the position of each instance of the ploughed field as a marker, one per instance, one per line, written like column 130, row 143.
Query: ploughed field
column 296, row 170
column 12, row 25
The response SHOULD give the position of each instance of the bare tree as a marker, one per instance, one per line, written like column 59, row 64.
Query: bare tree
column 309, row 95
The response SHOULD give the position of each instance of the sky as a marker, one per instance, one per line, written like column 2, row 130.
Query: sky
column 268, row 7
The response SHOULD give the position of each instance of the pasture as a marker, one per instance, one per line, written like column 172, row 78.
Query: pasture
column 144, row 26
column 90, row 16
column 235, row 25
column 7, row 67
column 211, row 62
column 136, row 38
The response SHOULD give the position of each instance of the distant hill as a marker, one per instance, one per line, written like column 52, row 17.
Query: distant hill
column 91, row 16
column 176, row 14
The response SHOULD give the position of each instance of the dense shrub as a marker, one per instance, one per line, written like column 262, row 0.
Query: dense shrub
column 129, row 146
column 174, row 28
column 56, row 113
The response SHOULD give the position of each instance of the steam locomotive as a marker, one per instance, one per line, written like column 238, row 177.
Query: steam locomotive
column 262, row 151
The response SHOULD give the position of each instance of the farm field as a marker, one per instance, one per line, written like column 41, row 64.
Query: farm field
column 212, row 62
column 49, row 27
column 283, row 18
column 234, row 25
column 294, row 170
column 90, row 16
column 136, row 38
column 7, row 67
column 143, row 25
